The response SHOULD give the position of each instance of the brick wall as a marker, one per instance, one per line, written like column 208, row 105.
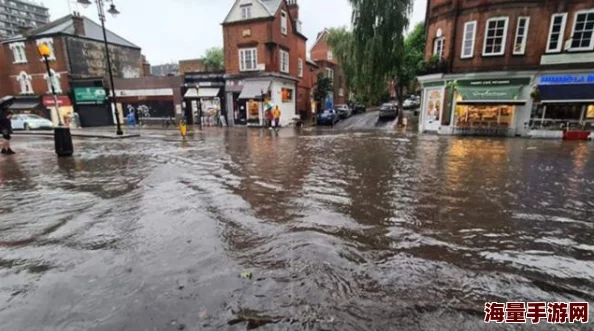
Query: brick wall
column 443, row 14
column 5, row 86
column 194, row 65
column 250, row 35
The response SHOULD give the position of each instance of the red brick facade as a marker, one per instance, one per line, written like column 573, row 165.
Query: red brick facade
column 321, row 53
column 451, row 15
column 5, row 86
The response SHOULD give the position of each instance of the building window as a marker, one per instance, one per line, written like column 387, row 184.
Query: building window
column 18, row 50
column 341, row 92
column 287, row 95
column 284, row 61
column 25, row 82
column 50, row 43
column 330, row 56
column 248, row 59
column 284, row 22
column 300, row 67
column 55, row 80
column 556, row 32
column 330, row 74
column 583, row 28
column 521, row 35
column 246, row 12
column 495, row 36
column 468, row 41
column 438, row 47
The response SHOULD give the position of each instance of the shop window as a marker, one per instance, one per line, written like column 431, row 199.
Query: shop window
column 284, row 61
column 590, row 112
column 25, row 83
column 521, row 35
column 287, row 95
column 556, row 31
column 469, row 38
column 246, row 11
column 438, row 47
column 484, row 116
column 248, row 59
column 55, row 80
column 495, row 36
column 583, row 28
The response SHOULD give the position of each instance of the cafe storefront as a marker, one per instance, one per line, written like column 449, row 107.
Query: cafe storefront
column 563, row 106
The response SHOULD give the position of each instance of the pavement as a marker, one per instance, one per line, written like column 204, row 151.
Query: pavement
column 102, row 132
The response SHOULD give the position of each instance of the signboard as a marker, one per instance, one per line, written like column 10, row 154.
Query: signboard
column 89, row 95
column 433, row 108
column 566, row 79
column 494, row 82
column 63, row 100
column 496, row 93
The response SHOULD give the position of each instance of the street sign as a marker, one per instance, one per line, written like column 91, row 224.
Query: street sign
column 89, row 95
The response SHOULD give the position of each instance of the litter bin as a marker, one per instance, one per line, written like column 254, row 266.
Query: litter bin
column 63, row 141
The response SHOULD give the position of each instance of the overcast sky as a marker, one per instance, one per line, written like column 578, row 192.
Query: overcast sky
column 173, row 30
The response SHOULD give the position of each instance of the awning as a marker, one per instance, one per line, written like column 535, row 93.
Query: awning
column 208, row 92
column 24, row 105
column 508, row 94
column 254, row 89
column 567, row 93
column 191, row 93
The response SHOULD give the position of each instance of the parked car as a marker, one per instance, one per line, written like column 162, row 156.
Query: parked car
column 344, row 111
column 388, row 111
column 359, row 108
column 30, row 122
column 411, row 102
column 328, row 117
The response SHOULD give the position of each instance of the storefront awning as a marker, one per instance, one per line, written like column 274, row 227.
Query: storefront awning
column 24, row 105
column 254, row 89
column 208, row 92
column 578, row 93
column 191, row 93
column 508, row 94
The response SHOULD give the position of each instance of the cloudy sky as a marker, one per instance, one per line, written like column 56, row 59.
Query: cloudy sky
column 172, row 30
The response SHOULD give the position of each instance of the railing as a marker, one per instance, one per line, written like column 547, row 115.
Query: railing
column 559, row 125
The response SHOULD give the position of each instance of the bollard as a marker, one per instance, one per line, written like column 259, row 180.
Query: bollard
column 63, row 141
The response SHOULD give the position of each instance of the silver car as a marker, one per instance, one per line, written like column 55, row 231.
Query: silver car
column 30, row 122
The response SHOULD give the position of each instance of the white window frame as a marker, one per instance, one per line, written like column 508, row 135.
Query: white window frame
column 243, row 64
column 504, row 37
column 246, row 11
column 330, row 56
column 55, row 81
column 284, row 61
column 284, row 25
column 437, row 41
column 50, row 43
column 18, row 51
column 524, row 37
column 464, row 40
column 24, row 80
column 561, row 33
column 300, row 67
column 330, row 74
column 589, row 47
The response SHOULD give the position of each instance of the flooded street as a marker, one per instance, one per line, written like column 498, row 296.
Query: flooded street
column 340, row 230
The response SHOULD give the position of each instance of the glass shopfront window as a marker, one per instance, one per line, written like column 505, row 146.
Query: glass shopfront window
column 560, row 116
column 484, row 116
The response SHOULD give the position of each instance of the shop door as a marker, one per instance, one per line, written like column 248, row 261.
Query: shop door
column 432, row 109
column 241, row 107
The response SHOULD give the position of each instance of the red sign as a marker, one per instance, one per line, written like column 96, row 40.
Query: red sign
column 63, row 100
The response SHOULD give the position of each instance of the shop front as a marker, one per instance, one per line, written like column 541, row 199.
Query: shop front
column 478, row 107
column 204, row 99
column 29, row 105
column 563, row 106
column 65, row 109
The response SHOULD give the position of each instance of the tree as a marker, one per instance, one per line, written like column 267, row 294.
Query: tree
column 378, row 44
column 341, row 42
column 323, row 87
column 214, row 59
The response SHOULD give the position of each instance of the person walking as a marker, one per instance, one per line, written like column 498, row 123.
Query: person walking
column 276, row 114
column 6, row 130
column 269, row 117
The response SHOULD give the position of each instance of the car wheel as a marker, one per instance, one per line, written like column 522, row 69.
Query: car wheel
column 27, row 127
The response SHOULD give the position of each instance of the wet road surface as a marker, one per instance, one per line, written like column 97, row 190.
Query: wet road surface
column 341, row 231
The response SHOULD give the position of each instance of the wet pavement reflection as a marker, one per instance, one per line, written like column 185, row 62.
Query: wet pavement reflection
column 341, row 231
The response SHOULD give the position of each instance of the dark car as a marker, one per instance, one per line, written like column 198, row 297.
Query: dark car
column 328, row 117
column 388, row 111
column 359, row 108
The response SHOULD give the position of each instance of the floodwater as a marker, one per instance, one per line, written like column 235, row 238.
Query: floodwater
column 339, row 230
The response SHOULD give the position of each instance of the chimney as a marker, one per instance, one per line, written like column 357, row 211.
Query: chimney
column 293, row 9
column 79, row 24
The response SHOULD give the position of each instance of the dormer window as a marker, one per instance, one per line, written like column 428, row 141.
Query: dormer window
column 246, row 11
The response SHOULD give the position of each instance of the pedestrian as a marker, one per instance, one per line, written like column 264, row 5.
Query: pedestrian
column 6, row 130
column 269, row 117
column 276, row 114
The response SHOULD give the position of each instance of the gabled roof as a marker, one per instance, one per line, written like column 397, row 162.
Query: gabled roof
column 320, row 37
column 269, row 7
column 65, row 25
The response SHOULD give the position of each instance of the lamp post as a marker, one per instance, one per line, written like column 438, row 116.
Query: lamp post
column 62, row 136
column 114, row 12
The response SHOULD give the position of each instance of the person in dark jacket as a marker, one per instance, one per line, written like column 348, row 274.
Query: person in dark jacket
column 6, row 130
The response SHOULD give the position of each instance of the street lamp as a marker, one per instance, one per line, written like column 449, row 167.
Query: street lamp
column 114, row 12
column 62, row 136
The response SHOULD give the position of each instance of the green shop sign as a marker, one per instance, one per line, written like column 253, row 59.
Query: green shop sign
column 491, row 89
column 89, row 95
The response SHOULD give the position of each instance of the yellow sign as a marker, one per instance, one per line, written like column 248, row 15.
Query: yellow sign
column 254, row 109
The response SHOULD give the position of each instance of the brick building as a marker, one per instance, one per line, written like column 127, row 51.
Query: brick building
column 78, row 54
column 193, row 65
column 265, row 60
column 321, row 53
column 509, row 67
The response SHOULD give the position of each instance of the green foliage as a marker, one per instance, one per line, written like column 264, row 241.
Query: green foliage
column 214, row 60
column 323, row 88
column 341, row 42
